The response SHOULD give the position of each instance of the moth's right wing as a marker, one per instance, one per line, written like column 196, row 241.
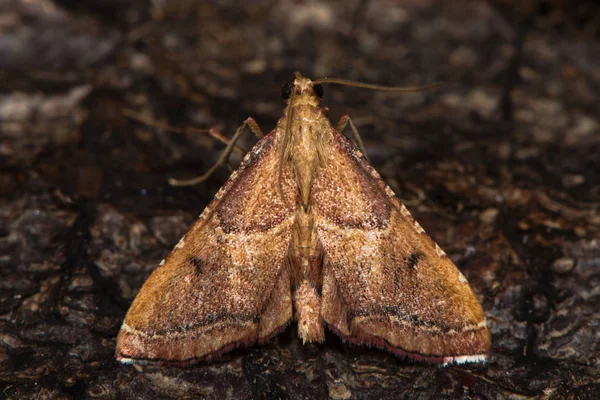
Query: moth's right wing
column 224, row 284
column 385, row 282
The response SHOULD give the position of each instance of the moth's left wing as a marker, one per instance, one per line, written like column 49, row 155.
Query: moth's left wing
column 385, row 282
column 224, row 285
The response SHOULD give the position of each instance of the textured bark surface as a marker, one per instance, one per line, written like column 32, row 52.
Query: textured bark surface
column 500, row 166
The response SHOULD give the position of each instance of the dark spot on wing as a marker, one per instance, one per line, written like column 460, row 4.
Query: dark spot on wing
column 412, row 259
column 409, row 263
column 197, row 263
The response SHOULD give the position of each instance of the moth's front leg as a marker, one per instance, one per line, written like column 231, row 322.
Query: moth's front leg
column 224, row 158
column 341, row 125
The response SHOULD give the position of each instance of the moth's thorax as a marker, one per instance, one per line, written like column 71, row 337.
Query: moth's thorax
column 309, row 125
column 309, row 138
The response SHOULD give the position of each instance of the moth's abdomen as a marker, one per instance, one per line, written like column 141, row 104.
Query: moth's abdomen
column 306, row 263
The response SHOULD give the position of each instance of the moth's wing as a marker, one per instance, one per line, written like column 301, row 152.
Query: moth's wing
column 224, row 284
column 385, row 282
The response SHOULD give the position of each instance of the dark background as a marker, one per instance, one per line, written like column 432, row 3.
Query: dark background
column 500, row 165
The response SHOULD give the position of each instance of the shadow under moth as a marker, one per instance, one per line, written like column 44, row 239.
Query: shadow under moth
column 305, row 229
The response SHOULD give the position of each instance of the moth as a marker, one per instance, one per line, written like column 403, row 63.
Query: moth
column 305, row 229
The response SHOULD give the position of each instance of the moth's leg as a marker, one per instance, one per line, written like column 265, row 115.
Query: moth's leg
column 341, row 125
column 225, row 140
column 224, row 157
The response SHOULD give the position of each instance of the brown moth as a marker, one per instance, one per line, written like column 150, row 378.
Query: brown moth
column 305, row 229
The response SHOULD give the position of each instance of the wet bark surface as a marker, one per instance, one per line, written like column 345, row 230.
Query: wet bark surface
column 500, row 165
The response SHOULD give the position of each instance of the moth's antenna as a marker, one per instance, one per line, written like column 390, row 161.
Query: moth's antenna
column 284, row 145
column 371, row 86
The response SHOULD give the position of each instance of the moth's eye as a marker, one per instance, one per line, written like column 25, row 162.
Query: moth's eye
column 286, row 90
column 318, row 90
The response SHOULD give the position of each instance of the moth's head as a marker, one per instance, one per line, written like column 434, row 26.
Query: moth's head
column 302, row 91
